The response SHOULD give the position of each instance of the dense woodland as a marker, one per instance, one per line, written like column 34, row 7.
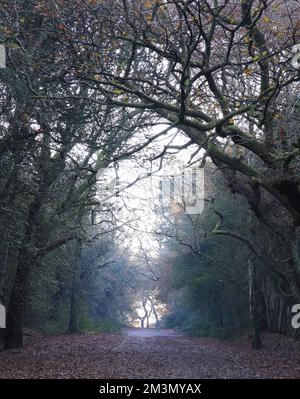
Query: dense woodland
column 89, row 84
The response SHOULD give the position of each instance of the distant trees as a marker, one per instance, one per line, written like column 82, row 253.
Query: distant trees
column 96, row 297
column 147, row 309
column 205, row 277
column 212, row 282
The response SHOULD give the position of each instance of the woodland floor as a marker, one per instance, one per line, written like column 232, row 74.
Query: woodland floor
column 150, row 354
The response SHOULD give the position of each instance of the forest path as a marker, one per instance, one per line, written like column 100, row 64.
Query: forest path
column 151, row 332
column 150, row 354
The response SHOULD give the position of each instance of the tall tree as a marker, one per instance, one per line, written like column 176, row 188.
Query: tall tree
column 222, row 74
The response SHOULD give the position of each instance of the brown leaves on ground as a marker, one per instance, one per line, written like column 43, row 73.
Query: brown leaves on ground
column 132, row 356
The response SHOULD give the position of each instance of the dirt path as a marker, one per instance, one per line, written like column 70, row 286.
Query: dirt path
column 149, row 353
column 151, row 332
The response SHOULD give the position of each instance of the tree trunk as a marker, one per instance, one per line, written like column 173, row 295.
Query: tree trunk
column 145, row 317
column 17, row 304
column 26, row 261
column 143, row 321
column 254, row 322
column 75, row 290
column 154, row 310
